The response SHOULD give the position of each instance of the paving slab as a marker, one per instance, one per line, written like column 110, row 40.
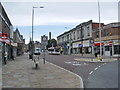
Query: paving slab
column 21, row 73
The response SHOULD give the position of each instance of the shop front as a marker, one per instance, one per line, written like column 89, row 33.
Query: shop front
column 97, row 47
column 87, row 47
column 116, row 48
column 109, row 48
column 0, row 54
column 5, row 43
column 76, row 47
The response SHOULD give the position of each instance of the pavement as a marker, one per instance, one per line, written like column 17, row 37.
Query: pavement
column 21, row 73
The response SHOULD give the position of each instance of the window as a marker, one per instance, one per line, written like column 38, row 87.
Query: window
column 117, row 49
column 97, row 34
column 70, row 36
column 67, row 37
column 74, row 35
column 62, row 39
column 78, row 34
column 105, row 32
column 107, row 48
column 88, row 30
column 82, row 33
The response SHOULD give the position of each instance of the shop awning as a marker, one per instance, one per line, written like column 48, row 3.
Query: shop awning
column 98, row 44
column 7, row 41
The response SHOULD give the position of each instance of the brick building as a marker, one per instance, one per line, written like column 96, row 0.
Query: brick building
column 110, row 39
column 20, row 42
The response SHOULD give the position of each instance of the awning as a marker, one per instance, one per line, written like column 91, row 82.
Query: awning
column 98, row 44
column 7, row 41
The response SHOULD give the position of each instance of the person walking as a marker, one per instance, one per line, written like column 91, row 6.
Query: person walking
column 96, row 53
column 5, row 57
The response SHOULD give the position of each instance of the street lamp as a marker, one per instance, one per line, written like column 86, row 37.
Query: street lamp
column 33, row 28
column 99, row 29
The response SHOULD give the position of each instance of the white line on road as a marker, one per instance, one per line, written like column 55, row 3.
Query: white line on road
column 99, row 66
column 96, row 68
column 91, row 72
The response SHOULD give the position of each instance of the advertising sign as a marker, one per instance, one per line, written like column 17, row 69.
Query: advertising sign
column 3, row 35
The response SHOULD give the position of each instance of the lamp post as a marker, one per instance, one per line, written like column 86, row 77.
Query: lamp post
column 99, row 29
column 33, row 29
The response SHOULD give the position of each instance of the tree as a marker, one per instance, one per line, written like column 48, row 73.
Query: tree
column 52, row 42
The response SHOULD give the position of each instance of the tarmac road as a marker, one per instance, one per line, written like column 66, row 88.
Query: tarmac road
column 81, row 68
column 104, row 77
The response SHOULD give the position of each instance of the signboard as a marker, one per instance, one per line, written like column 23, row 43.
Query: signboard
column 3, row 35
column 80, row 45
column 44, row 41
column 91, row 42
column 14, row 44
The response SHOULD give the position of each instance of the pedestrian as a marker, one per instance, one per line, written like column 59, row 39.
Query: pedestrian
column 96, row 53
column 61, row 50
column 5, row 57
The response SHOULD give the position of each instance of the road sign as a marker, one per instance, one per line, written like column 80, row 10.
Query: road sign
column 44, row 40
column 91, row 42
column 80, row 45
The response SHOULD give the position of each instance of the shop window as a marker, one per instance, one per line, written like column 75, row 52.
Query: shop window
column 117, row 49
column 105, row 32
column 107, row 48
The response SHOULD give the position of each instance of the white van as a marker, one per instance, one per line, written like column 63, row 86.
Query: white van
column 37, row 51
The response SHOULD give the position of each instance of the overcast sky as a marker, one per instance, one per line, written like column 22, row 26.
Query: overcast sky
column 55, row 16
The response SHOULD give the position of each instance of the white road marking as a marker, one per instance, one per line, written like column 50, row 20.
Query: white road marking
column 91, row 72
column 99, row 66
column 96, row 68
column 76, row 64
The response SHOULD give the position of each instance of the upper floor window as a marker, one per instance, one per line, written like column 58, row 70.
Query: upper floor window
column 88, row 30
column 97, row 34
column 74, row 35
column 62, row 39
column 105, row 32
column 67, row 37
column 70, row 36
column 78, row 34
column 82, row 32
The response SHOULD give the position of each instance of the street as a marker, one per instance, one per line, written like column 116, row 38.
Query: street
column 59, row 44
column 21, row 72
column 81, row 68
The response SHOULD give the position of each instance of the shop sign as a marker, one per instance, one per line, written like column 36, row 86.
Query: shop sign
column 98, row 44
column 3, row 35
column 86, row 43
column 110, row 43
column 14, row 44
column 107, row 43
